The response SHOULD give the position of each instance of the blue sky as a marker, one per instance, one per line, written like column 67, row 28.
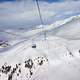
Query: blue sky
column 23, row 13
column 40, row 0
column 6, row 0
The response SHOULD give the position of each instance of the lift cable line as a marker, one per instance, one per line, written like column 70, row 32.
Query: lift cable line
column 39, row 12
column 42, row 23
column 37, row 2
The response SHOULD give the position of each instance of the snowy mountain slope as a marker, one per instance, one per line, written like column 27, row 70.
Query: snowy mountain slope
column 41, row 44
column 69, row 30
column 55, row 58
column 52, row 52
column 63, row 28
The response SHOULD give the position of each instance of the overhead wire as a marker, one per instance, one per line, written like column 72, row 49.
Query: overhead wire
column 41, row 19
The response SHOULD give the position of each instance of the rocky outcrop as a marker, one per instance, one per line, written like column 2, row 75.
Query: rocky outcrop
column 29, row 65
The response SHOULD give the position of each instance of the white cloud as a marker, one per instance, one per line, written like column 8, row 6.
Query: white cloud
column 25, row 12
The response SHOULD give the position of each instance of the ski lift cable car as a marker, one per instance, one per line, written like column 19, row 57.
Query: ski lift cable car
column 34, row 44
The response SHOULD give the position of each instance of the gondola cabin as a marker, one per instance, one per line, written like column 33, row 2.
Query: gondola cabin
column 33, row 45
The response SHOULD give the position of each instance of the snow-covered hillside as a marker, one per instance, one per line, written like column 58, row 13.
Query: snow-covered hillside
column 70, row 29
column 56, row 58
column 64, row 28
